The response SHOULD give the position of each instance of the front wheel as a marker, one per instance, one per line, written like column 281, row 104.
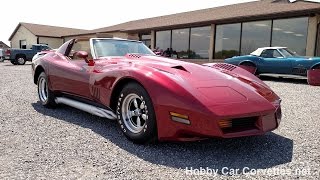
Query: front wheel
column 20, row 60
column 46, row 97
column 136, row 116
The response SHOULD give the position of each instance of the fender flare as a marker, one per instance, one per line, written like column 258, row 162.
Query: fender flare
column 20, row 55
column 247, row 61
column 251, row 69
column 317, row 64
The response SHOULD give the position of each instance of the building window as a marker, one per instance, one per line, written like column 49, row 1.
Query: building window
column 163, row 40
column 187, row 43
column 227, row 40
column 23, row 44
column 291, row 33
column 200, row 42
column 146, row 39
column 180, row 43
column 255, row 35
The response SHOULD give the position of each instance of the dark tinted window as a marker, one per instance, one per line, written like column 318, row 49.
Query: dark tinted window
column 200, row 42
column 227, row 40
column 163, row 39
column 180, row 43
column 291, row 33
column 255, row 35
column 146, row 39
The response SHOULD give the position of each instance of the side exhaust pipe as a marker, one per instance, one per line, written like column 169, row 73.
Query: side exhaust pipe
column 87, row 108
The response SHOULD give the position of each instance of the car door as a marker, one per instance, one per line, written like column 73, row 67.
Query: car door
column 272, row 61
column 69, row 73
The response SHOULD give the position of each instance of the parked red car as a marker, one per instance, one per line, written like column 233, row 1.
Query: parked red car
column 152, row 97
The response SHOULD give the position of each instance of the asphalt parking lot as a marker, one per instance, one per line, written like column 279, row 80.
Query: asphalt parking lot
column 65, row 143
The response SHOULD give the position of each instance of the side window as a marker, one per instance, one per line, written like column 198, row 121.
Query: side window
column 270, row 53
column 80, row 45
column 276, row 54
column 45, row 48
column 264, row 53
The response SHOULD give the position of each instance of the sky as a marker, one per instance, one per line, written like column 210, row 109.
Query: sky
column 92, row 14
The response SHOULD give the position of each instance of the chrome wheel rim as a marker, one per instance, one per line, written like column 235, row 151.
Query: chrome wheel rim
column 20, row 60
column 134, row 113
column 43, row 89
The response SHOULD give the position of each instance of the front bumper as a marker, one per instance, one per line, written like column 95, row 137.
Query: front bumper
column 209, row 126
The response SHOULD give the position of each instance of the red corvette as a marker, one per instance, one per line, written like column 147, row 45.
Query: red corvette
column 152, row 97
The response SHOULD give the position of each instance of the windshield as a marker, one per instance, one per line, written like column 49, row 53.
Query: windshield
column 111, row 47
column 287, row 52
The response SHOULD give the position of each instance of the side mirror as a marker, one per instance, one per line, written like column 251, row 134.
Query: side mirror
column 82, row 54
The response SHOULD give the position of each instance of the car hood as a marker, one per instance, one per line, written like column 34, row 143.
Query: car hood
column 190, row 71
column 212, row 86
column 217, row 87
column 195, row 74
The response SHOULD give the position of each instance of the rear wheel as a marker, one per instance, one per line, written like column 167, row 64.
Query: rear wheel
column 136, row 116
column 46, row 97
column 20, row 60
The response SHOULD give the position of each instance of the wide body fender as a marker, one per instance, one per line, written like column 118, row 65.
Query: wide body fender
column 166, row 95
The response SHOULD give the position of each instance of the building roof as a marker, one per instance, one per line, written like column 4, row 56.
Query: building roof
column 255, row 10
column 3, row 45
column 48, row 31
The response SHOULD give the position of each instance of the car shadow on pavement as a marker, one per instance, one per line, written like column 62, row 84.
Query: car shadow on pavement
column 290, row 80
column 258, row 152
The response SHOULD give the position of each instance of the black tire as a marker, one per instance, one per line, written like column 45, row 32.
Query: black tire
column 1, row 59
column 21, row 60
column 49, row 101
column 147, row 131
column 13, row 62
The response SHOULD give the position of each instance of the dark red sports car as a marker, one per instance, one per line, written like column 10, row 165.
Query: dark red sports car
column 152, row 97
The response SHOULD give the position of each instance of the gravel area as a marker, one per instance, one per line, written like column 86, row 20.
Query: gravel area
column 65, row 143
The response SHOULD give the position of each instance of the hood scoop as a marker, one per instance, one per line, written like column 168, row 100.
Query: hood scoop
column 180, row 68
